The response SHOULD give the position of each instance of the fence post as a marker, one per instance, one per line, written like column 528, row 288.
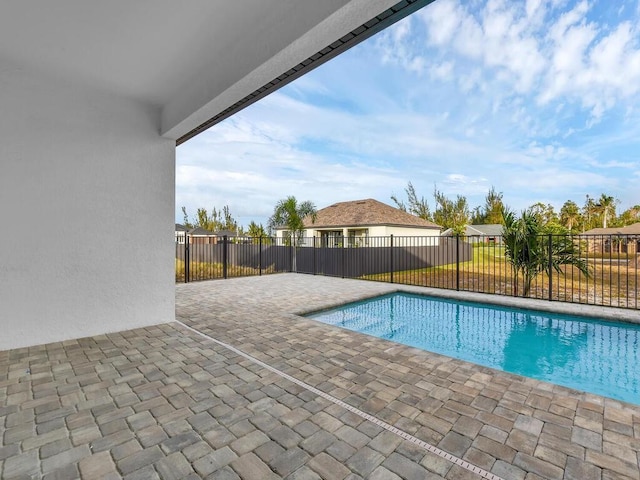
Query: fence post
column 224, row 257
column 457, row 262
column 314, row 254
column 550, row 265
column 391, row 257
column 186, row 257
column 260, row 257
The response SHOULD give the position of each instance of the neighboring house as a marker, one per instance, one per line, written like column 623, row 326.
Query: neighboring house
column 489, row 233
column 181, row 231
column 199, row 235
column 615, row 239
column 360, row 220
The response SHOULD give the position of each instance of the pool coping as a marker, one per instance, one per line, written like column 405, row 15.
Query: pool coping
column 605, row 313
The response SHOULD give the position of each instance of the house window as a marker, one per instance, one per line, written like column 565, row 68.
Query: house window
column 358, row 238
column 286, row 237
column 331, row 238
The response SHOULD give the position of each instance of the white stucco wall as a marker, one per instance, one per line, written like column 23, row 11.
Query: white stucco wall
column 86, row 205
column 412, row 232
column 420, row 233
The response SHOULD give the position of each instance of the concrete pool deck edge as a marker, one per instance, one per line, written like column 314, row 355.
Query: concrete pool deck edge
column 596, row 312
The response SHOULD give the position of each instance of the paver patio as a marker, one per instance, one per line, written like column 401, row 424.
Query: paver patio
column 166, row 402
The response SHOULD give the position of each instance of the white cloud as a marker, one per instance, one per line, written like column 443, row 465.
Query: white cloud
column 500, row 37
column 441, row 71
column 465, row 185
column 443, row 20
column 546, row 179
column 395, row 45
column 533, row 7
column 541, row 49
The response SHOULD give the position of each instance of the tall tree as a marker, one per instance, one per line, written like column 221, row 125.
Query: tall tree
column 477, row 216
column 289, row 213
column 545, row 214
column 257, row 233
column 254, row 230
column 215, row 221
column 570, row 215
column 415, row 206
column 452, row 214
column 588, row 214
column 606, row 208
column 630, row 216
column 491, row 212
column 186, row 222
column 527, row 249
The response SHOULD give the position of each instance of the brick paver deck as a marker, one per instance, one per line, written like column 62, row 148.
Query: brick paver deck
column 165, row 402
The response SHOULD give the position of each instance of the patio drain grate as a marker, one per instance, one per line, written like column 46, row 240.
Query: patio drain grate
column 376, row 421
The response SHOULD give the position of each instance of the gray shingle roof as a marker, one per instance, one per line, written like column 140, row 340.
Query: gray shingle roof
column 367, row 212
column 201, row 232
column 491, row 229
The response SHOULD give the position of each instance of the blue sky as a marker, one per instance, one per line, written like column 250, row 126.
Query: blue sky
column 540, row 99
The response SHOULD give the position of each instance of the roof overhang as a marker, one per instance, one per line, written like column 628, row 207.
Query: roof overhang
column 197, row 62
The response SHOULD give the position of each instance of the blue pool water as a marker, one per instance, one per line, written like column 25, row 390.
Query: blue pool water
column 589, row 355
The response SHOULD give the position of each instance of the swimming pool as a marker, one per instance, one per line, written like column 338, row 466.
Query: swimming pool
column 577, row 352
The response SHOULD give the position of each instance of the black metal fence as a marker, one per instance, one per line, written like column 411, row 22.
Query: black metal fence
column 476, row 264
column 223, row 257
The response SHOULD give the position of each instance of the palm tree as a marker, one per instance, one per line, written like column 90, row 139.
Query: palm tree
column 527, row 249
column 607, row 208
column 291, row 214
column 589, row 210
column 256, row 231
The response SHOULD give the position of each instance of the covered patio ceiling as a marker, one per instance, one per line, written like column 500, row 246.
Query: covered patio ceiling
column 198, row 61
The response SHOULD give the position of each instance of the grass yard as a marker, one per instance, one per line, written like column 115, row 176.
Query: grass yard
column 614, row 280
column 207, row 271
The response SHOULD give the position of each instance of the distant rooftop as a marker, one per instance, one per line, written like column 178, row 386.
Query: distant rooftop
column 633, row 229
column 368, row 212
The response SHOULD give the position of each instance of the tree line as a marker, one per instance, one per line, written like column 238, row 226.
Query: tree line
column 572, row 218
column 448, row 213
column 221, row 220
column 287, row 212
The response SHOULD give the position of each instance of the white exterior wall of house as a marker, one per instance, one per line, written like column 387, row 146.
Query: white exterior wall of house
column 427, row 236
column 404, row 231
column 90, row 176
